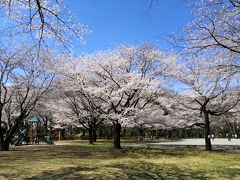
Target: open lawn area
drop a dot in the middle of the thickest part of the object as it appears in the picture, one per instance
(78, 160)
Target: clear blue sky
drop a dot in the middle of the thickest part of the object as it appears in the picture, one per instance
(128, 21)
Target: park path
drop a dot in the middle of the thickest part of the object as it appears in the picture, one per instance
(221, 144)
(200, 141)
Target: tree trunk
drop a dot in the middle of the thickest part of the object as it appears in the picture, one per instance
(100, 132)
(90, 133)
(7, 141)
(9, 135)
(94, 135)
(208, 145)
(5, 146)
(124, 132)
(83, 132)
(1, 136)
(109, 132)
(45, 122)
(117, 132)
(141, 133)
(90, 138)
(1, 130)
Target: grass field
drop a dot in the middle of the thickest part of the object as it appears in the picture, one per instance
(78, 160)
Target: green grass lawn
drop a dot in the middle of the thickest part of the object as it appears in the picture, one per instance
(78, 160)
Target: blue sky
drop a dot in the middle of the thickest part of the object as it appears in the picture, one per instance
(128, 21)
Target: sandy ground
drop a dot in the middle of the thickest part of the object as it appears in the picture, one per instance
(222, 144)
(200, 141)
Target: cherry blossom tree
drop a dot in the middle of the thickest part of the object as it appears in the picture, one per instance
(209, 92)
(216, 25)
(156, 114)
(74, 105)
(43, 111)
(215, 30)
(211, 46)
(113, 85)
(124, 80)
(85, 109)
(40, 22)
(23, 82)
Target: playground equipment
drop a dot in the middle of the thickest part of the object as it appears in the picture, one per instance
(32, 133)
(40, 138)
(21, 138)
(45, 139)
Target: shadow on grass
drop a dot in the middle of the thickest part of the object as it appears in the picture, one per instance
(140, 170)
(44, 153)
(52, 152)
(139, 152)
(133, 168)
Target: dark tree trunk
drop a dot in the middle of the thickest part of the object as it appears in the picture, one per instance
(1, 136)
(159, 133)
(109, 132)
(8, 138)
(169, 136)
(1, 130)
(208, 145)
(124, 132)
(90, 132)
(45, 122)
(117, 133)
(5, 146)
(141, 133)
(100, 132)
(83, 133)
(94, 135)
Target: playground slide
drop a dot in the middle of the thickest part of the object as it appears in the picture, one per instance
(21, 138)
(19, 141)
(46, 140)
